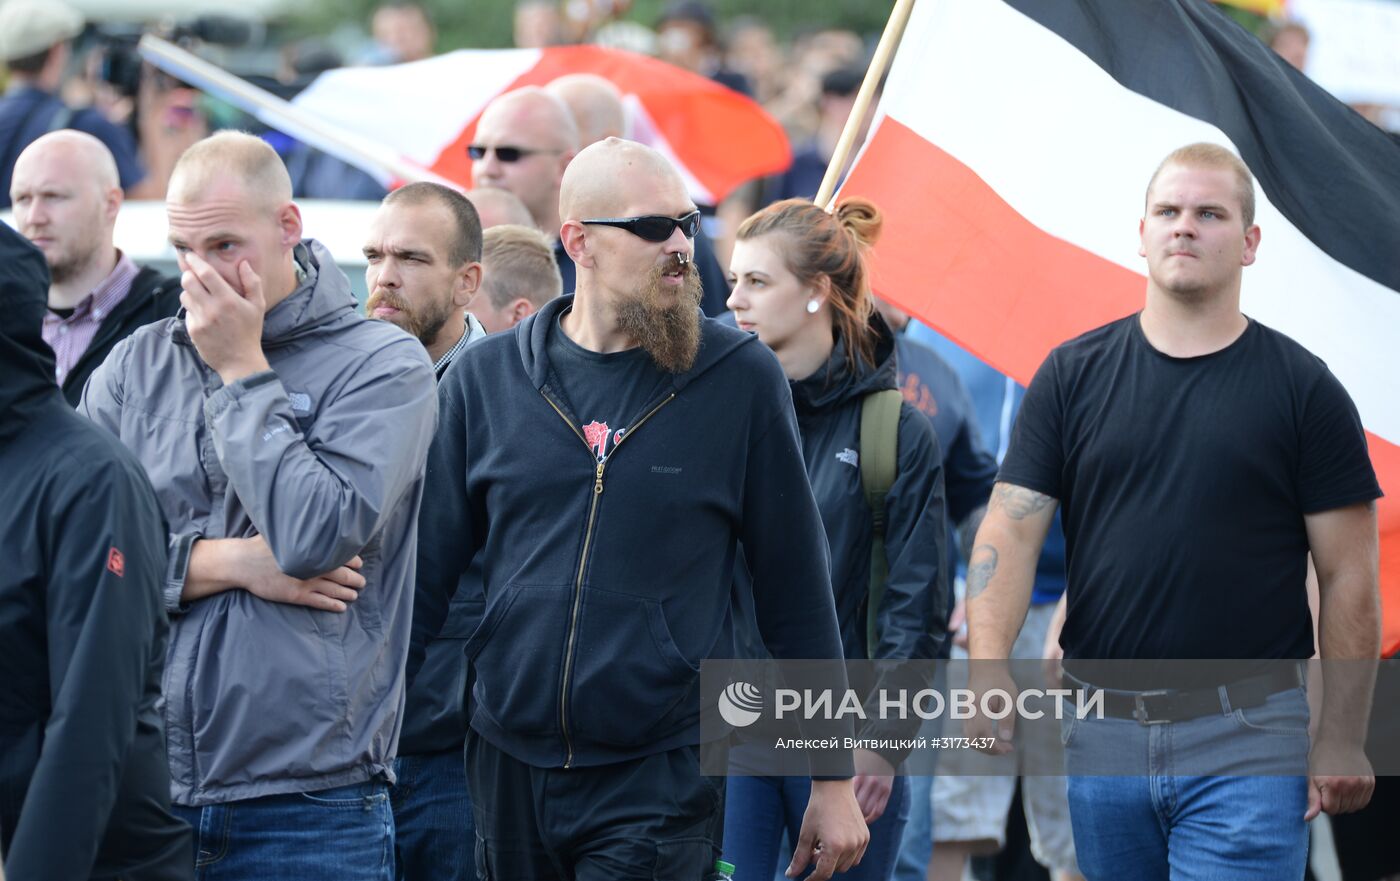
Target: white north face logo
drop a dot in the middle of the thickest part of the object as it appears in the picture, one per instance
(300, 401)
(850, 457)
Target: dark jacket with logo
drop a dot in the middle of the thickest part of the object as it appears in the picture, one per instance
(912, 617)
(152, 297)
(84, 786)
(606, 584)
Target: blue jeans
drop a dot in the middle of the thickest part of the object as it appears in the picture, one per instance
(434, 833)
(340, 834)
(916, 848)
(1162, 825)
(758, 809)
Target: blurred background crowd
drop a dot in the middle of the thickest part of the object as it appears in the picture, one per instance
(802, 61)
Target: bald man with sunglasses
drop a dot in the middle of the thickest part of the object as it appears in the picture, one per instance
(524, 141)
(607, 456)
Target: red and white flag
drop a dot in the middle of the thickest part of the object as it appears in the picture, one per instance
(426, 111)
(1011, 152)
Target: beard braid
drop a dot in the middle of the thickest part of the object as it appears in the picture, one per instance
(665, 324)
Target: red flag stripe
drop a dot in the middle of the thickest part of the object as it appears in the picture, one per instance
(720, 135)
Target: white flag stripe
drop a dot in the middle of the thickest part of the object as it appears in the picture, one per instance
(416, 109)
(1071, 150)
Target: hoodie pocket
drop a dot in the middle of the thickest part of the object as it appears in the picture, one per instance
(517, 656)
(630, 682)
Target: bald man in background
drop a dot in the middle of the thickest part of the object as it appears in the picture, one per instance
(598, 110)
(594, 102)
(66, 197)
(524, 141)
(497, 207)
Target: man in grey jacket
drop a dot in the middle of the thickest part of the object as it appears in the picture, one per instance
(286, 438)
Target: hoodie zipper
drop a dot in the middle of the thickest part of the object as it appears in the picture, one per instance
(583, 562)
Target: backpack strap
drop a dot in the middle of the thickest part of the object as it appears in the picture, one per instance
(879, 464)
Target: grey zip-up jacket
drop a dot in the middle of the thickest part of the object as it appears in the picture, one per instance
(323, 456)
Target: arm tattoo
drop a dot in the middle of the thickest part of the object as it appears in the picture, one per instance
(1017, 501)
(980, 569)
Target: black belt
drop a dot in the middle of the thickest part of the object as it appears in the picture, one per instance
(1180, 705)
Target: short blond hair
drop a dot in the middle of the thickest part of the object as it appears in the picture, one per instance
(231, 154)
(1213, 156)
(518, 261)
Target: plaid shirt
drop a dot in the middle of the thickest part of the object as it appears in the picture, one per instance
(472, 332)
(70, 337)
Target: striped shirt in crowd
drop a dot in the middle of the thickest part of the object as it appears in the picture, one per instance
(69, 337)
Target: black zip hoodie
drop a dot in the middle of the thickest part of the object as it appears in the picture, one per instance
(608, 583)
(84, 786)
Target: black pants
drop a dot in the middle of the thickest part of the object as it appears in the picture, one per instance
(656, 817)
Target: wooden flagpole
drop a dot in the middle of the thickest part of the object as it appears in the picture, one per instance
(884, 51)
(281, 114)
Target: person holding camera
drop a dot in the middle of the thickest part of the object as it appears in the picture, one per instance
(35, 47)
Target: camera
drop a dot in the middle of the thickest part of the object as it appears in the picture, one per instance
(120, 62)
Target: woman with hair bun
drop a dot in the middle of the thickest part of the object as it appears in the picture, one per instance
(800, 283)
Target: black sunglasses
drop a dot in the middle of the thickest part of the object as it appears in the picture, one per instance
(654, 227)
(505, 154)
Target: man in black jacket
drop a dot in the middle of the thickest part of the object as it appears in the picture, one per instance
(66, 197)
(607, 457)
(84, 788)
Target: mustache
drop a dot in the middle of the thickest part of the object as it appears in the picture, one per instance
(386, 298)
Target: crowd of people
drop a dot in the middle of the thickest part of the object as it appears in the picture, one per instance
(421, 590)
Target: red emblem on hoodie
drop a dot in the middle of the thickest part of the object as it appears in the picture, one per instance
(596, 434)
(116, 563)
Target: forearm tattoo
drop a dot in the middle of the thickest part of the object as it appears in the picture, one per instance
(980, 569)
(1017, 501)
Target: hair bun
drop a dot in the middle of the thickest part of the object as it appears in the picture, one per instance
(861, 219)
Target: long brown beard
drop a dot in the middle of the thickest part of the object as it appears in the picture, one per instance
(665, 324)
(424, 325)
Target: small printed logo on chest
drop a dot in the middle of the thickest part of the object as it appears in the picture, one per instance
(301, 401)
(849, 456)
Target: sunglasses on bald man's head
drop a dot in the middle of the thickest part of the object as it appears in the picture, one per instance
(654, 227)
(504, 154)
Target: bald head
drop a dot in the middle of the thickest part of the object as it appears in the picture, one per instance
(532, 110)
(66, 196)
(498, 207)
(86, 158)
(595, 103)
(226, 157)
(606, 177)
(538, 136)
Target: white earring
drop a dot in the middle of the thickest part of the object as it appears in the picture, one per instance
(812, 307)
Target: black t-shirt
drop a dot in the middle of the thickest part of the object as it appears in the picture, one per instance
(606, 393)
(1183, 483)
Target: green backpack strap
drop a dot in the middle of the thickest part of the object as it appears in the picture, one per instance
(879, 463)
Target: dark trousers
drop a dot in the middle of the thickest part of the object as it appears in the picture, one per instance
(656, 817)
(433, 832)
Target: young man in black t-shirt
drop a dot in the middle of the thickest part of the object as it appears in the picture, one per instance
(1199, 457)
